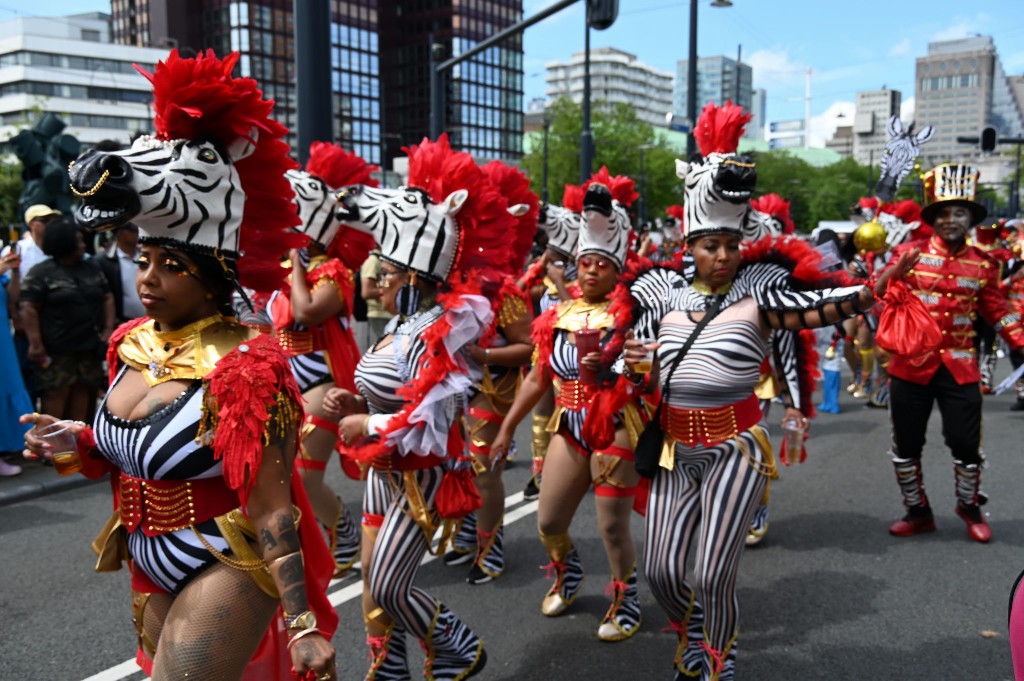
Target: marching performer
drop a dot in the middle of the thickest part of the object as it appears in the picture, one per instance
(199, 427)
(572, 464)
(716, 455)
(956, 282)
(406, 420)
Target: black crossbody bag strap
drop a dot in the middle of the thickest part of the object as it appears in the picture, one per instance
(709, 314)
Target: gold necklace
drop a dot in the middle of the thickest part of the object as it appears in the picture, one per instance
(705, 290)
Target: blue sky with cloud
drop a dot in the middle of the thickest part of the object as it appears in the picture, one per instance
(848, 46)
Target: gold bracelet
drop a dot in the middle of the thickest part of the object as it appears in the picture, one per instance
(304, 632)
(366, 426)
(304, 620)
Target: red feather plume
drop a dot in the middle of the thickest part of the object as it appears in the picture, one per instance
(572, 198)
(484, 221)
(198, 98)
(515, 187)
(678, 212)
(908, 210)
(719, 128)
(620, 186)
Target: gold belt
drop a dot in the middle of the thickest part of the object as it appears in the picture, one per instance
(295, 342)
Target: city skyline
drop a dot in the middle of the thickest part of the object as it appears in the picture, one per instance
(874, 48)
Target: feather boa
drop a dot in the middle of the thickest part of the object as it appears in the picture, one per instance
(808, 370)
(442, 372)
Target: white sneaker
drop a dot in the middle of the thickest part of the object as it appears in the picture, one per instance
(8, 470)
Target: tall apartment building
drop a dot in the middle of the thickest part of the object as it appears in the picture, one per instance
(842, 141)
(756, 126)
(615, 77)
(379, 64)
(961, 88)
(66, 66)
(874, 108)
(719, 79)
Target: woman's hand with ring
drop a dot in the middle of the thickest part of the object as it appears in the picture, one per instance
(353, 427)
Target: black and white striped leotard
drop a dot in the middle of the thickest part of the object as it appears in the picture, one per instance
(311, 369)
(565, 366)
(163, 446)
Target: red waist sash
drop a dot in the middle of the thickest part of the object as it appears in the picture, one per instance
(162, 506)
(709, 427)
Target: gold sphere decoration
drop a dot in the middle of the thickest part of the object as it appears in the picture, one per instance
(870, 237)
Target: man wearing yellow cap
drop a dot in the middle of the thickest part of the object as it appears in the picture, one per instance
(956, 282)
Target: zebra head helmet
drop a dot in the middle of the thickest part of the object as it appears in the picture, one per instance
(899, 219)
(718, 186)
(412, 231)
(328, 168)
(901, 150)
(210, 180)
(606, 227)
(768, 216)
(562, 226)
(177, 191)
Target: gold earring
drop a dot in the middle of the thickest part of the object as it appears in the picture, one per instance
(209, 296)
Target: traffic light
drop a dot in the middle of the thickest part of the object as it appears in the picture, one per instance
(988, 139)
(602, 13)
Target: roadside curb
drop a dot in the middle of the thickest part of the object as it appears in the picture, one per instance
(32, 490)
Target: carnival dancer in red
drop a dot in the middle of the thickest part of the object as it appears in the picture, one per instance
(1014, 284)
(311, 321)
(406, 421)
(573, 464)
(716, 457)
(199, 427)
(955, 282)
(501, 354)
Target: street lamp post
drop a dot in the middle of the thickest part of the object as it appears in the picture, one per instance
(586, 138)
(544, 176)
(641, 208)
(691, 75)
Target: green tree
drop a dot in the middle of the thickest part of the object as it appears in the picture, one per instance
(621, 142)
(11, 185)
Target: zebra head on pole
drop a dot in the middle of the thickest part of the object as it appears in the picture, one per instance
(900, 151)
(209, 181)
(718, 186)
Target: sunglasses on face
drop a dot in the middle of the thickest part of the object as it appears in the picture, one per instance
(600, 263)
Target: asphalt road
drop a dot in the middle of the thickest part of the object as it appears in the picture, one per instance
(828, 595)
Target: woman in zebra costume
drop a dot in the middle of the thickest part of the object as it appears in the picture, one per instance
(573, 462)
(501, 354)
(311, 322)
(717, 457)
(435, 236)
(199, 427)
(549, 281)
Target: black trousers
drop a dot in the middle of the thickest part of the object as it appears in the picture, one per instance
(910, 405)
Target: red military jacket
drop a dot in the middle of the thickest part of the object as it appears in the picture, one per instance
(955, 287)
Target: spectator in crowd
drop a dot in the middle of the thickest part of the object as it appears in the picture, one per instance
(30, 246)
(14, 399)
(376, 317)
(68, 313)
(118, 264)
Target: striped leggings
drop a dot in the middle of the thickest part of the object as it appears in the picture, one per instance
(713, 491)
(399, 548)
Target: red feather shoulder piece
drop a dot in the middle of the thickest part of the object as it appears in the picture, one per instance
(251, 397)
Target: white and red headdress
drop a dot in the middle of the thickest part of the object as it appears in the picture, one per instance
(606, 228)
(718, 187)
(329, 168)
